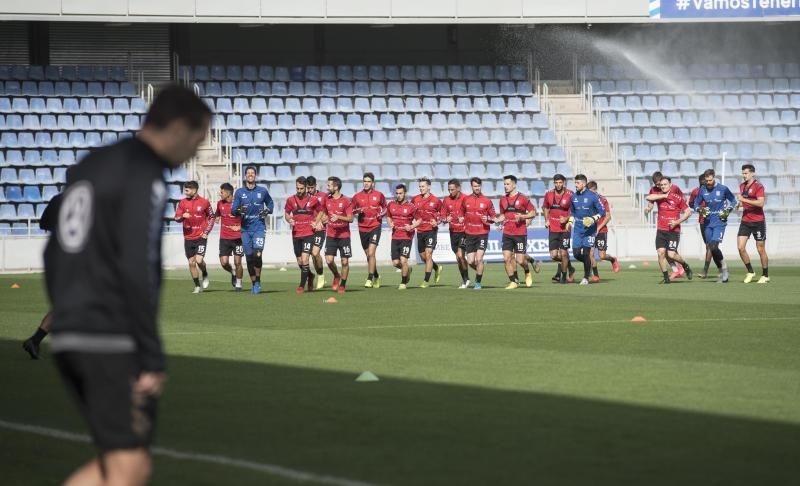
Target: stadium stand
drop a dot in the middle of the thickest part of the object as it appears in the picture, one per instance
(684, 125)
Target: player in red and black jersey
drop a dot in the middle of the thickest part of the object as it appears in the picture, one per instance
(478, 216)
(702, 221)
(672, 211)
(339, 214)
(452, 207)
(198, 219)
(369, 206)
(677, 270)
(230, 236)
(601, 240)
(300, 212)
(319, 233)
(516, 211)
(429, 208)
(751, 199)
(556, 207)
(401, 214)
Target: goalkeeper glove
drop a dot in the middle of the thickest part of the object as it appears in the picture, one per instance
(590, 220)
(723, 215)
(264, 212)
(704, 211)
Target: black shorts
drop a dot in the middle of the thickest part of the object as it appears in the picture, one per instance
(231, 247)
(601, 241)
(102, 386)
(401, 248)
(195, 247)
(370, 237)
(559, 240)
(703, 232)
(758, 230)
(668, 240)
(340, 246)
(303, 244)
(319, 238)
(473, 243)
(515, 243)
(426, 239)
(457, 241)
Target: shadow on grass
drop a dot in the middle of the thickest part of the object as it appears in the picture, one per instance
(408, 432)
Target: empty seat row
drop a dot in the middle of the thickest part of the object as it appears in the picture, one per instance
(321, 121)
(68, 73)
(764, 85)
(68, 122)
(364, 138)
(65, 88)
(41, 175)
(35, 157)
(72, 105)
(60, 139)
(368, 105)
(500, 72)
(702, 118)
(693, 168)
(702, 135)
(29, 194)
(698, 70)
(25, 211)
(364, 88)
(408, 155)
(710, 151)
(698, 102)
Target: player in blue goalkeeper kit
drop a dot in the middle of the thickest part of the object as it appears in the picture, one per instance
(253, 203)
(719, 204)
(586, 209)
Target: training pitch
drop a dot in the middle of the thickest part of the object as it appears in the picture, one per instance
(548, 385)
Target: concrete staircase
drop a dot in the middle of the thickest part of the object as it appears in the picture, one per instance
(211, 172)
(575, 128)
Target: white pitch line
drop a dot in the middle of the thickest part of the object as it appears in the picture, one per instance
(272, 469)
(475, 324)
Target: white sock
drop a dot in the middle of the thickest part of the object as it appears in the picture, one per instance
(238, 282)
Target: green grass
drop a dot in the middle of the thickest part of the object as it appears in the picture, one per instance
(548, 385)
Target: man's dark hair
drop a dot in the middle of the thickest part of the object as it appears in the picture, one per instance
(581, 177)
(559, 177)
(336, 182)
(666, 178)
(709, 172)
(301, 180)
(176, 102)
(225, 186)
(476, 180)
(454, 182)
(424, 179)
(701, 178)
(250, 167)
(401, 186)
(591, 185)
(510, 178)
(311, 181)
(657, 175)
(191, 185)
(369, 175)
(749, 167)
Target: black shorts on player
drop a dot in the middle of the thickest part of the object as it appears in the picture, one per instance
(195, 247)
(102, 386)
(457, 241)
(756, 229)
(338, 245)
(668, 240)
(515, 243)
(473, 243)
(370, 237)
(302, 245)
(426, 239)
(601, 241)
(401, 248)
(231, 247)
(319, 238)
(559, 240)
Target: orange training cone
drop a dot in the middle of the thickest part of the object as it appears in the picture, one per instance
(639, 319)
(331, 300)
(15, 286)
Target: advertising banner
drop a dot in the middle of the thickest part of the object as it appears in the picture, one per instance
(690, 9)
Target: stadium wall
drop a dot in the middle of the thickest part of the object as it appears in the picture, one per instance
(22, 254)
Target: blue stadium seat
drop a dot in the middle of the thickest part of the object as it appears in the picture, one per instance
(30, 194)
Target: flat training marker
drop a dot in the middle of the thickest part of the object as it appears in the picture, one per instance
(283, 269)
(15, 285)
(367, 376)
(631, 266)
(638, 319)
(330, 300)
